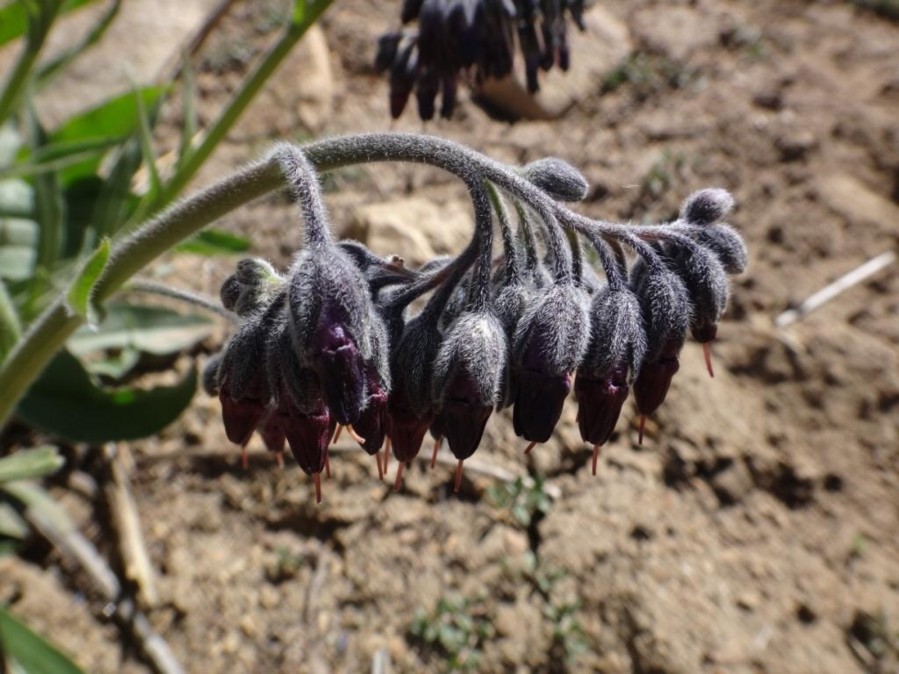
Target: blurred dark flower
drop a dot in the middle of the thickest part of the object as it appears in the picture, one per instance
(471, 40)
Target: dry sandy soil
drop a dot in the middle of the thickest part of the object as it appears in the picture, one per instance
(757, 528)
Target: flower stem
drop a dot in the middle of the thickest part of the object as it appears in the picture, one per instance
(48, 333)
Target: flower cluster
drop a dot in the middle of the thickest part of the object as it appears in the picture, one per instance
(474, 39)
(332, 342)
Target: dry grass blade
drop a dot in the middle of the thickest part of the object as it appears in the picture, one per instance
(126, 521)
(51, 521)
(831, 290)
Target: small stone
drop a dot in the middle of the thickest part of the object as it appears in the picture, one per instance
(417, 228)
(748, 601)
(269, 597)
(732, 484)
(796, 144)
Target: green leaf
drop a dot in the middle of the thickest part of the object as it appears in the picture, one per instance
(146, 121)
(72, 159)
(14, 18)
(188, 110)
(11, 523)
(115, 201)
(299, 11)
(66, 402)
(212, 242)
(18, 248)
(30, 463)
(115, 367)
(60, 62)
(32, 652)
(49, 204)
(115, 118)
(83, 285)
(150, 329)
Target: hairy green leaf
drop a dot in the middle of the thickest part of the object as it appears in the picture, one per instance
(66, 402)
(150, 329)
(83, 285)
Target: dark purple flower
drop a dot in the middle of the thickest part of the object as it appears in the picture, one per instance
(651, 385)
(599, 405)
(242, 414)
(539, 399)
(468, 375)
(407, 428)
(340, 369)
(549, 343)
(331, 320)
(372, 422)
(617, 344)
(242, 383)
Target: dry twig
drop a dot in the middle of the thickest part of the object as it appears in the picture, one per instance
(831, 290)
(126, 522)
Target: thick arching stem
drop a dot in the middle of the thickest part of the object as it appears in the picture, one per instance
(302, 181)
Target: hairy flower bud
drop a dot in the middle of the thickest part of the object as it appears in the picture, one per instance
(724, 241)
(548, 347)
(665, 306)
(559, 179)
(617, 345)
(251, 287)
(411, 404)
(468, 374)
(372, 424)
(300, 411)
(707, 207)
(243, 387)
(330, 323)
(230, 292)
(210, 375)
(706, 283)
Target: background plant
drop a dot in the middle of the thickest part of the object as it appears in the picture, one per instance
(66, 193)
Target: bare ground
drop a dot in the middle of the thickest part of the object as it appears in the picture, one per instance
(757, 529)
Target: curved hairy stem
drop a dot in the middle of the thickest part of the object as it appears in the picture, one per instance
(46, 335)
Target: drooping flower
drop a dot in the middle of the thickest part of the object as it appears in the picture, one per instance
(549, 344)
(614, 356)
(467, 378)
